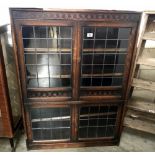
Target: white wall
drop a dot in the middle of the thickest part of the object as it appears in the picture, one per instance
(132, 5)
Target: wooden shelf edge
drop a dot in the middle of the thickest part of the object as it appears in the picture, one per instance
(135, 114)
(147, 85)
(149, 36)
(149, 12)
(139, 125)
(142, 106)
(147, 62)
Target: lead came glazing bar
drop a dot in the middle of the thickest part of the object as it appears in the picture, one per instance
(53, 43)
(97, 121)
(106, 42)
(50, 123)
(50, 119)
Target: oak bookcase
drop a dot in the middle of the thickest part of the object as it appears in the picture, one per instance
(75, 69)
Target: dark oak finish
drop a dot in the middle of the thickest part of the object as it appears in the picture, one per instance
(98, 47)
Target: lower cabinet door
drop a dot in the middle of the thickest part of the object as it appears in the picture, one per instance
(60, 122)
(52, 123)
(97, 121)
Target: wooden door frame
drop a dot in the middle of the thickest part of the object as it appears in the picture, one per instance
(20, 56)
(131, 39)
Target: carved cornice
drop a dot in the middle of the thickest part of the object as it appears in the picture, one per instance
(17, 14)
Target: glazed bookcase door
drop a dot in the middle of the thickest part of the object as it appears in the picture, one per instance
(104, 51)
(98, 121)
(50, 123)
(47, 60)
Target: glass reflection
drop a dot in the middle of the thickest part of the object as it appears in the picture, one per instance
(53, 43)
(42, 58)
(54, 59)
(42, 71)
(54, 70)
(52, 32)
(43, 82)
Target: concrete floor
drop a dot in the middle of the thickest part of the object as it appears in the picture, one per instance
(130, 141)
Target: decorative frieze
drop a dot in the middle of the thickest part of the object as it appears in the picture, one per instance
(115, 16)
(36, 94)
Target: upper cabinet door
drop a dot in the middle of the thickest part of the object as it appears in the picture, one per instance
(104, 52)
(47, 60)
